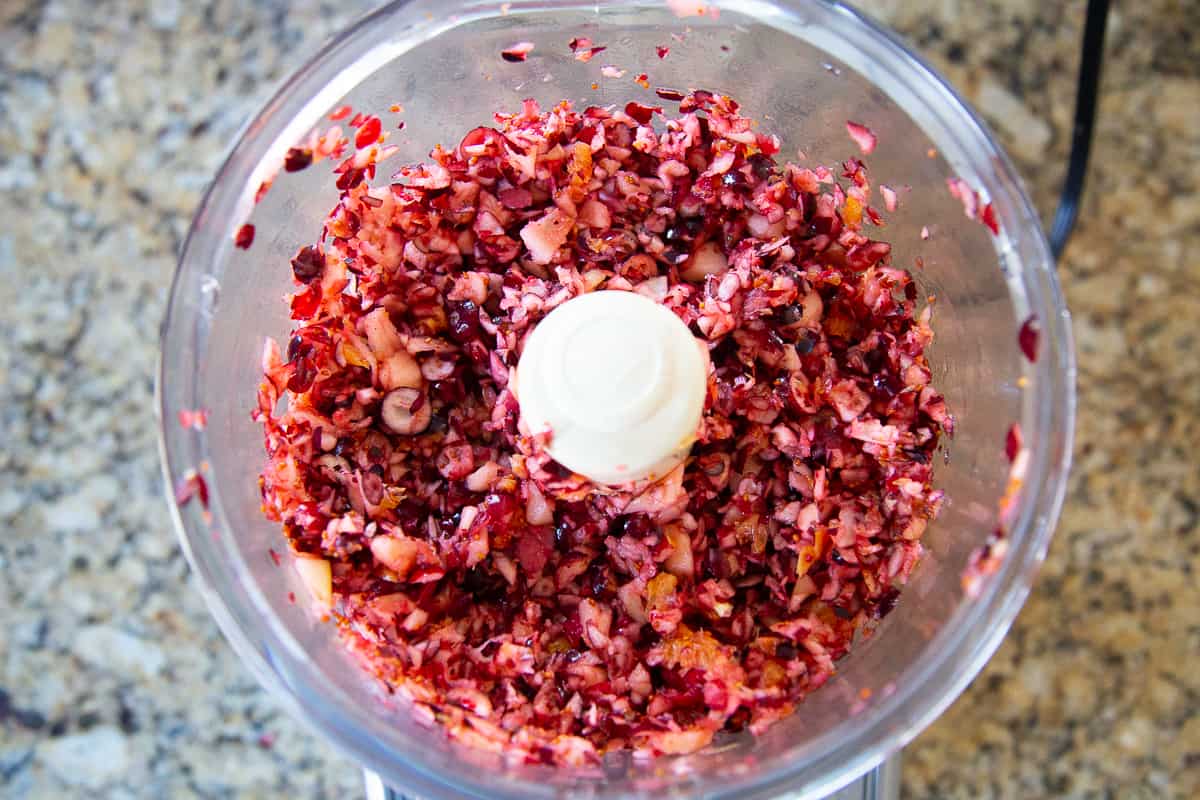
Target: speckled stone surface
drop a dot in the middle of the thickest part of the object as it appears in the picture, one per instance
(115, 683)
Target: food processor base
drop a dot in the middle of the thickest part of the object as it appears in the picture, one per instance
(881, 783)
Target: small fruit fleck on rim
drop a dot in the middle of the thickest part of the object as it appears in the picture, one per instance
(244, 236)
(1013, 442)
(1028, 336)
(297, 158)
(517, 53)
(863, 136)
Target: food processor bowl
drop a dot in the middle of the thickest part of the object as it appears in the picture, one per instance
(800, 67)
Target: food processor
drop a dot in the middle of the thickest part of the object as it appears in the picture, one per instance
(800, 67)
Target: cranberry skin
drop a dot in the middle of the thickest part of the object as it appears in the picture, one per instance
(463, 318)
(308, 264)
(1027, 338)
(761, 166)
(641, 113)
(244, 237)
(303, 376)
(306, 303)
(297, 158)
(350, 178)
(368, 134)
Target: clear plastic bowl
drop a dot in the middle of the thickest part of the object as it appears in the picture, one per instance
(801, 67)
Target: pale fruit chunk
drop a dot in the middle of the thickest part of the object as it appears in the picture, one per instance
(544, 236)
(397, 553)
(397, 411)
(680, 562)
(399, 371)
(317, 577)
(707, 260)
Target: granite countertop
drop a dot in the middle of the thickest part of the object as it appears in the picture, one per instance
(114, 681)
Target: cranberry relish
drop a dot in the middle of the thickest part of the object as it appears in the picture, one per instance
(520, 606)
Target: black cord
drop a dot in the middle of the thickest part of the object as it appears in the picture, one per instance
(1085, 119)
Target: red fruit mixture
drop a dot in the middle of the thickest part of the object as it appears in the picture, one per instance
(523, 608)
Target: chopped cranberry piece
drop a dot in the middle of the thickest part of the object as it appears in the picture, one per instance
(244, 237)
(641, 113)
(1027, 338)
(517, 53)
(464, 321)
(988, 218)
(863, 137)
(368, 133)
(1012, 442)
(350, 179)
(297, 158)
(308, 264)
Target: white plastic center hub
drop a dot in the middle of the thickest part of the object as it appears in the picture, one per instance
(619, 382)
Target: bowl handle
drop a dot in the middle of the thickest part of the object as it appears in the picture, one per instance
(881, 783)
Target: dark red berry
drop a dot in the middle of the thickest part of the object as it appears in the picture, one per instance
(308, 264)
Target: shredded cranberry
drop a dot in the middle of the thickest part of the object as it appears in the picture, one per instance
(988, 218)
(640, 112)
(863, 137)
(1027, 338)
(662, 50)
(244, 236)
(965, 195)
(518, 52)
(522, 607)
(350, 178)
(297, 158)
(308, 264)
(673, 95)
(194, 418)
(584, 49)
(890, 199)
(1013, 442)
(368, 132)
(192, 486)
(341, 113)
